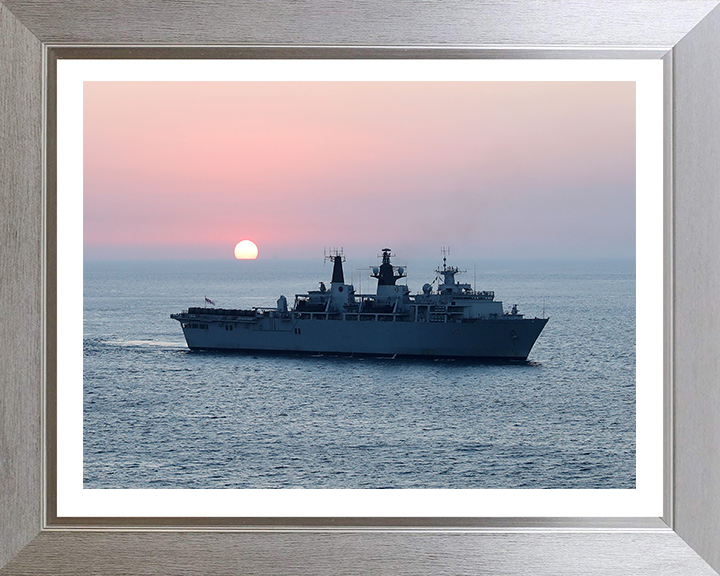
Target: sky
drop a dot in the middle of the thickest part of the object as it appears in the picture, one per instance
(186, 170)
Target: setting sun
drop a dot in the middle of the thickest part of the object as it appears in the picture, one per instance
(246, 250)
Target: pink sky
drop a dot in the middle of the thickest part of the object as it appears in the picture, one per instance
(493, 169)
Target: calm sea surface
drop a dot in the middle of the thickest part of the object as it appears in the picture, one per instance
(157, 415)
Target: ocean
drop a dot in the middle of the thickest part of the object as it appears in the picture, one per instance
(157, 415)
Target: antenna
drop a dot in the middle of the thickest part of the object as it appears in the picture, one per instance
(474, 279)
(445, 253)
(330, 253)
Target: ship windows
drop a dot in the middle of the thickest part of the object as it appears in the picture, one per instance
(297, 330)
(228, 327)
(194, 326)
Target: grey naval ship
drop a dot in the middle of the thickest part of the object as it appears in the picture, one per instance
(451, 321)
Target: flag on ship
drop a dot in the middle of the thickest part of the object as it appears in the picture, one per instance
(209, 301)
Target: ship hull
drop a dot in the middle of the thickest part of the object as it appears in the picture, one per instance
(501, 338)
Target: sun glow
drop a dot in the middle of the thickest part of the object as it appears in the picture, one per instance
(246, 250)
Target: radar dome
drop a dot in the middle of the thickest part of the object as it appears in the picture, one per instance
(376, 270)
(401, 270)
(426, 288)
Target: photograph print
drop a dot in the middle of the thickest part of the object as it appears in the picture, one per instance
(371, 284)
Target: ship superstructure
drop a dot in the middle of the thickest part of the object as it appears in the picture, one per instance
(453, 320)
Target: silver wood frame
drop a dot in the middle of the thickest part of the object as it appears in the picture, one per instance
(684, 33)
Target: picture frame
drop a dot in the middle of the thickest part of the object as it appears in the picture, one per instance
(684, 34)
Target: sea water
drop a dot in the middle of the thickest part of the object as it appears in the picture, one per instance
(157, 415)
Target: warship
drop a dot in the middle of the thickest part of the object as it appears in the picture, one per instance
(451, 320)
